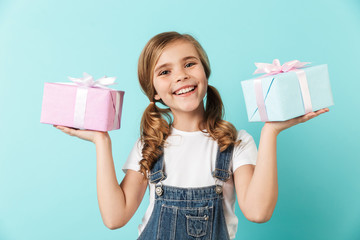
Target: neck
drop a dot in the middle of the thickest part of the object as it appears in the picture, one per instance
(189, 121)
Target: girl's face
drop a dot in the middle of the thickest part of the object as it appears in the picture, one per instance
(179, 78)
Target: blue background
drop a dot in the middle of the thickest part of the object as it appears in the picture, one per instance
(48, 179)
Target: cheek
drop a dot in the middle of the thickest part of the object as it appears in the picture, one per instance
(160, 87)
(205, 90)
(156, 84)
(205, 87)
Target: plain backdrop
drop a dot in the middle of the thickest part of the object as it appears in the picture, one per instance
(48, 179)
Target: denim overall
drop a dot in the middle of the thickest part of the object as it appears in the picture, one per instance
(188, 213)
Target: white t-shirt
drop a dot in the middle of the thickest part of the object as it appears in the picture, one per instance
(198, 150)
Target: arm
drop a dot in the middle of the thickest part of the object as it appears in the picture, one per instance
(257, 187)
(117, 203)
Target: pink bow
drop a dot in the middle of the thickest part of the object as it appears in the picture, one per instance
(275, 67)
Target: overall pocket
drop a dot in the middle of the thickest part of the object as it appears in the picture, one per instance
(197, 226)
(198, 221)
(184, 222)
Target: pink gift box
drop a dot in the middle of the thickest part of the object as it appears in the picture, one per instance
(101, 111)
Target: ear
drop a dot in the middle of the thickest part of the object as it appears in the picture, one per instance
(157, 97)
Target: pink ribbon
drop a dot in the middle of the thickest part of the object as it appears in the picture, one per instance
(276, 68)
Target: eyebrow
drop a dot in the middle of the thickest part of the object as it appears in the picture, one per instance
(167, 64)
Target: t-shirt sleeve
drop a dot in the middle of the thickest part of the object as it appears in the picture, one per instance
(245, 152)
(134, 158)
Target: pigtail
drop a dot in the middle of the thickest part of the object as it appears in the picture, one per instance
(223, 131)
(154, 130)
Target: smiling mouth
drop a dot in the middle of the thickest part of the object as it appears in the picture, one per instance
(185, 90)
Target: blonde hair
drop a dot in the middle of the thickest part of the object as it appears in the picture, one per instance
(156, 122)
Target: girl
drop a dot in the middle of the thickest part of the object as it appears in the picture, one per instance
(193, 161)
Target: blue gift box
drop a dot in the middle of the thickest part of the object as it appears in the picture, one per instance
(283, 97)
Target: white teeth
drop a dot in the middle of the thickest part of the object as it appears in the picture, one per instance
(185, 90)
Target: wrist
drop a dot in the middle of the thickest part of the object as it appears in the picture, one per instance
(100, 137)
(270, 129)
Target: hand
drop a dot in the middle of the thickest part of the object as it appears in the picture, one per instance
(88, 135)
(280, 126)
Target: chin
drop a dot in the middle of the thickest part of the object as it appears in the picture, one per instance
(190, 107)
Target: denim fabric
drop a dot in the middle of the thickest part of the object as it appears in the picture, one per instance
(188, 213)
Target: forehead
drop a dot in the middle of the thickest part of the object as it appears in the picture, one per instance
(177, 51)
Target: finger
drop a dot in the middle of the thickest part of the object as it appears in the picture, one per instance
(321, 111)
(307, 117)
(324, 110)
(69, 131)
(315, 114)
(310, 116)
(63, 127)
(60, 128)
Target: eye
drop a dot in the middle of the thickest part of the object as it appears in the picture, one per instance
(164, 72)
(189, 64)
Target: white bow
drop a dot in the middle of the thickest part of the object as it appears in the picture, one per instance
(88, 81)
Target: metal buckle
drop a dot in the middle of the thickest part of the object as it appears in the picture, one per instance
(218, 189)
(218, 186)
(159, 190)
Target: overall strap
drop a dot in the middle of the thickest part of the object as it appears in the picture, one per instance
(157, 172)
(222, 166)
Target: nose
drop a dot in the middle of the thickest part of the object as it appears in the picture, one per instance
(181, 75)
